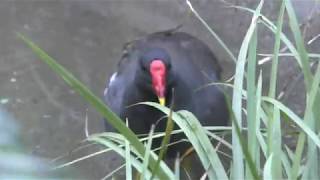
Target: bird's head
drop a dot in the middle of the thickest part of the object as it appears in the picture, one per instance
(156, 72)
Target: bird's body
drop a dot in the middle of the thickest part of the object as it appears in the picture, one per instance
(190, 66)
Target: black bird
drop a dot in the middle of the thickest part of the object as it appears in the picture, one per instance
(154, 65)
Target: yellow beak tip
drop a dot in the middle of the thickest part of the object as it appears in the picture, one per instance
(162, 101)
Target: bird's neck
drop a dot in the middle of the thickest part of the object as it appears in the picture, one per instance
(136, 94)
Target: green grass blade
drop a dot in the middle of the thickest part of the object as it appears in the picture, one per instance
(196, 134)
(275, 142)
(296, 119)
(238, 166)
(315, 88)
(244, 148)
(128, 160)
(165, 141)
(290, 153)
(286, 165)
(110, 175)
(258, 121)
(312, 154)
(98, 104)
(82, 158)
(122, 152)
(220, 41)
(267, 172)
(296, 166)
(177, 168)
(315, 56)
(302, 52)
(251, 100)
(205, 143)
(274, 125)
(219, 139)
(275, 61)
(262, 143)
(148, 153)
(273, 28)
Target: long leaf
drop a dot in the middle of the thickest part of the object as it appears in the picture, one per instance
(198, 138)
(296, 119)
(128, 161)
(293, 22)
(206, 25)
(165, 140)
(251, 100)
(238, 166)
(148, 153)
(122, 152)
(104, 110)
(267, 172)
(243, 147)
(268, 23)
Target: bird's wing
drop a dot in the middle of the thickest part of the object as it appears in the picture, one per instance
(120, 80)
(113, 93)
(113, 97)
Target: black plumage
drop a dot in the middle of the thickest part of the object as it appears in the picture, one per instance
(190, 65)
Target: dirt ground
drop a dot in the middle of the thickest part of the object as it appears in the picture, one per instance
(87, 37)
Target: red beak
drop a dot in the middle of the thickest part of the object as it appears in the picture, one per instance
(158, 75)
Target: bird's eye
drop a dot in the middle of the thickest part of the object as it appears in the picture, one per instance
(144, 68)
(168, 66)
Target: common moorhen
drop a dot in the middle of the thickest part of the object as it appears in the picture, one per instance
(151, 67)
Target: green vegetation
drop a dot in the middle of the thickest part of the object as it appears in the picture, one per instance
(262, 154)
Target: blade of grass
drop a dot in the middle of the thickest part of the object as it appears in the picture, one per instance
(267, 172)
(112, 118)
(219, 139)
(289, 152)
(310, 55)
(128, 161)
(296, 119)
(273, 28)
(251, 100)
(177, 167)
(244, 148)
(275, 144)
(259, 135)
(275, 61)
(198, 138)
(258, 123)
(286, 165)
(298, 57)
(205, 144)
(312, 164)
(298, 155)
(312, 155)
(114, 146)
(148, 153)
(82, 158)
(109, 175)
(237, 97)
(302, 52)
(165, 140)
(274, 125)
(220, 41)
